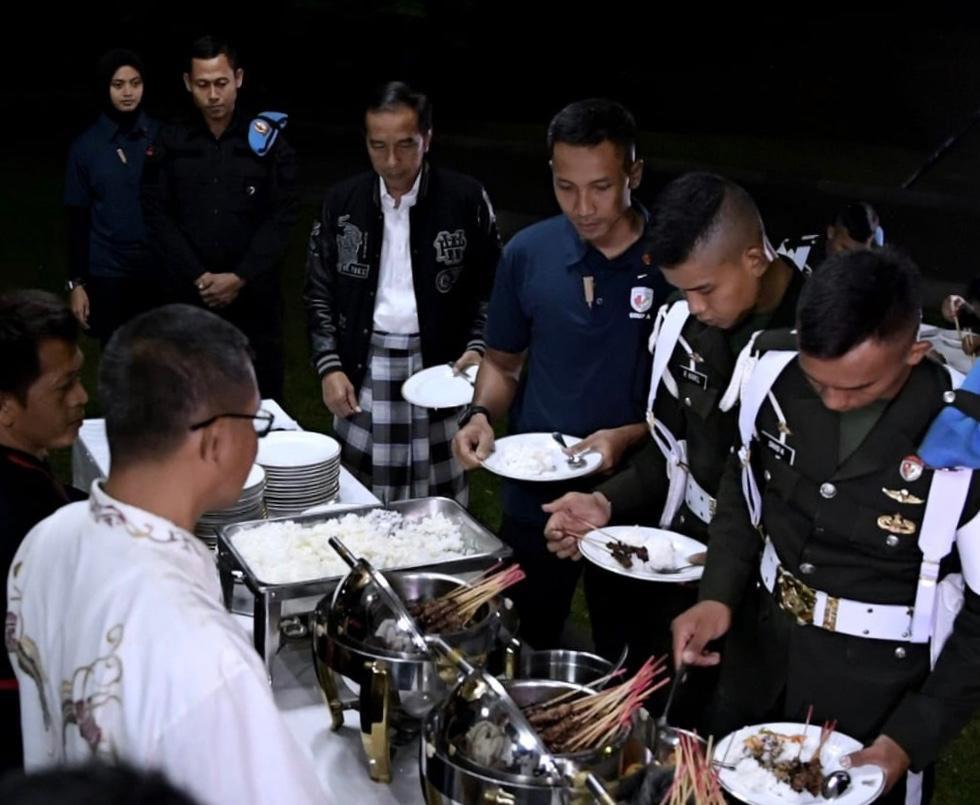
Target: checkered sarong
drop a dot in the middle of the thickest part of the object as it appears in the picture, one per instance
(396, 449)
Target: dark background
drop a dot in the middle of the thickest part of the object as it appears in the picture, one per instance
(806, 105)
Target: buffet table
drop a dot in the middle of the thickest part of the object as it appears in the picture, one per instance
(337, 756)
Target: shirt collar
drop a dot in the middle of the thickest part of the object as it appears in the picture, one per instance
(573, 248)
(151, 529)
(407, 201)
(110, 129)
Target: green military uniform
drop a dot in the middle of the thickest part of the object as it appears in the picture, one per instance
(843, 515)
(638, 613)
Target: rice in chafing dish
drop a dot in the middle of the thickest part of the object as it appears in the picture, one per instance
(281, 553)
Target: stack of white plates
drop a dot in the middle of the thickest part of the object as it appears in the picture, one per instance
(247, 507)
(302, 469)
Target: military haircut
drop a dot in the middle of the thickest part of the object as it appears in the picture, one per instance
(163, 371)
(855, 296)
(594, 121)
(210, 47)
(28, 317)
(696, 208)
(390, 96)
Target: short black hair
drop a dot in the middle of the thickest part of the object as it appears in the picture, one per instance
(594, 121)
(688, 211)
(162, 370)
(92, 784)
(28, 317)
(390, 96)
(858, 295)
(210, 47)
(859, 219)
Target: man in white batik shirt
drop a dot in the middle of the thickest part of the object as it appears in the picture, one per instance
(115, 626)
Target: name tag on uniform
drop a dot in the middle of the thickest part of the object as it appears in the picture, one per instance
(695, 377)
(780, 451)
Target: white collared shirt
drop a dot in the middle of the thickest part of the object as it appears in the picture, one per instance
(395, 310)
(124, 651)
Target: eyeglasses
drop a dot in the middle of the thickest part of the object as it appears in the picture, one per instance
(261, 420)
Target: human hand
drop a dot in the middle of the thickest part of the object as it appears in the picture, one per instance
(573, 515)
(473, 442)
(469, 358)
(694, 629)
(78, 301)
(951, 306)
(884, 753)
(338, 395)
(610, 443)
(219, 290)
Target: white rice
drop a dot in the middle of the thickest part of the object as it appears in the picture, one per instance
(281, 553)
(527, 460)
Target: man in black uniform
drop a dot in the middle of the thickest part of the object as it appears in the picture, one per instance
(709, 239)
(219, 201)
(831, 530)
(42, 403)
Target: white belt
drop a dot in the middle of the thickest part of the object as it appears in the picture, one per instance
(842, 615)
(701, 504)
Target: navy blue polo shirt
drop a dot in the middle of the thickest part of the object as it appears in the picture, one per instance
(103, 176)
(587, 367)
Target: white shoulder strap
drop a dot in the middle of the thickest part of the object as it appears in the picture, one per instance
(744, 365)
(667, 332)
(754, 390)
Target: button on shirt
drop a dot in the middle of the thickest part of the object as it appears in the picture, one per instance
(103, 176)
(395, 310)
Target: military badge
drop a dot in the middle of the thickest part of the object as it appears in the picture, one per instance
(896, 524)
(903, 496)
(911, 468)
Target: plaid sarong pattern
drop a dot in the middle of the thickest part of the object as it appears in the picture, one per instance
(396, 449)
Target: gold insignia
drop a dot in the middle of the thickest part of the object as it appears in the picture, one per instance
(896, 524)
(903, 496)
(784, 428)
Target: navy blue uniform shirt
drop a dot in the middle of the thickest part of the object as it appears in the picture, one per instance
(588, 367)
(103, 176)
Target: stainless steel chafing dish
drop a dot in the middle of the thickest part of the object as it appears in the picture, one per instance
(365, 633)
(477, 747)
(276, 605)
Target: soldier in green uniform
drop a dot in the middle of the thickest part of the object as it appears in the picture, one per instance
(709, 239)
(815, 567)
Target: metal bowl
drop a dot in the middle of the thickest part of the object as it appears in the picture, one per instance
(474, 749)
(357, 635)
(559, 665)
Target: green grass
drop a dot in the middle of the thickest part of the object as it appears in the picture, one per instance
(32, 255)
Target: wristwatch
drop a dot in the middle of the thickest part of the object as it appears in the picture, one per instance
(471, 411)
(71, 285)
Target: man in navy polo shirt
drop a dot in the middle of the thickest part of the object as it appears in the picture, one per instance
(575, 296)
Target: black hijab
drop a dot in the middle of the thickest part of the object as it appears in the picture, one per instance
(108, 64)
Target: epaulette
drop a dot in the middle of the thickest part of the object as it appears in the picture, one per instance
(264, 130)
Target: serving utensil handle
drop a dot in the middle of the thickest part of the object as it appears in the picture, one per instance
(598, 791)
(343, 551)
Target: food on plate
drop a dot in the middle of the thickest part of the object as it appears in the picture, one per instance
(286, 552)
(783, 764)
(524, 459)
(623, 552)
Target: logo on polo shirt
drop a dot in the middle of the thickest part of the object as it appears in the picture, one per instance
(450, 247)
(641, 299)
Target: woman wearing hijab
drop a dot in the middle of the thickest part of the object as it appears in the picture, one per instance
(110, 279)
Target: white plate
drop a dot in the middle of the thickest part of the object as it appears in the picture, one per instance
(545, 446)
(438, 387)
(296, 448)
(866, 781)
(593, 548)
